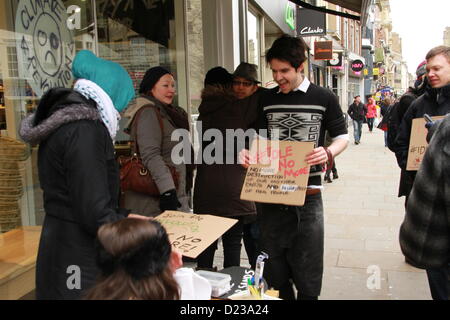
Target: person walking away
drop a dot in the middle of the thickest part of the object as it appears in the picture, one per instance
(78, 173)
(293, 236)
(371, 113)
(156, 122)
(385, 113)
(357, 112)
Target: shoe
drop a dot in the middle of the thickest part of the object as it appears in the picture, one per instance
(328, 179)
(335, 176)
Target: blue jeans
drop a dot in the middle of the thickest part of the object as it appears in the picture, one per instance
(357, 130)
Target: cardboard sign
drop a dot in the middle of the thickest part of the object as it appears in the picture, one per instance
(192, 233)
(418, 143)
(278, 172)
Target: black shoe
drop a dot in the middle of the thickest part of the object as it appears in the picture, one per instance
(335, 175)
(328, 179)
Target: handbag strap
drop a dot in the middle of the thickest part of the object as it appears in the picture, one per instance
(135, 123)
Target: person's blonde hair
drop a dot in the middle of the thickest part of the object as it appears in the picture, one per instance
(444, 50)
(134, 259)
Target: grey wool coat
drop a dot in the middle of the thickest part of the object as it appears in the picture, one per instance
(425, 232)
(155, 150)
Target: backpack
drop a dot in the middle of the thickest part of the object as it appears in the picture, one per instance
(393, 125)
(395, 117)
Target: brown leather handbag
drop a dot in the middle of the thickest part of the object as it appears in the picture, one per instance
(134, 175)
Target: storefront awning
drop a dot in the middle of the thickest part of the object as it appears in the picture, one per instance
(358, 6)
(354, 5)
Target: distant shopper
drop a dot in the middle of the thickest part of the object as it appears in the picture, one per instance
(75, 129)
(357, 112)
(371, 113)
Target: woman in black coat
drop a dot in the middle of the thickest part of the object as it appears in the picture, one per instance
(75, 129)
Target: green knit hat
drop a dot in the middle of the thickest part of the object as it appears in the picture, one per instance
(108, 75)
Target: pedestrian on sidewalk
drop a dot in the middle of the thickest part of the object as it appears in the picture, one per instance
(330, 169)
(357, 112)
(153, 119)
(218, 184)
(75, 129)
(246, 84)
(425, 231)
(397, 113)
(371, 113)
(434, 102)
(293, 236)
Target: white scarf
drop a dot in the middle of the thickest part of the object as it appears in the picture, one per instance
(105, 106)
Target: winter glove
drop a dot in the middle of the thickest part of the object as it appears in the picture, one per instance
(169, 201)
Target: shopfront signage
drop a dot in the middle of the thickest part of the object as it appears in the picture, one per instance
(336, 61)
(45, 46)
(323, 50)
(289, 16)
(310, 23)
(357, 65)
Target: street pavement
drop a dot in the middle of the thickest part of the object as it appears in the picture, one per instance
(363, 214)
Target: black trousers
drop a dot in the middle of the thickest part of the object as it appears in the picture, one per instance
(231, 241)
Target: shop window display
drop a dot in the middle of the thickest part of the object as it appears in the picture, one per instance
(38, 40)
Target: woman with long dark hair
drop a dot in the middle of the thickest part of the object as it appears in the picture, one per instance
(136, 262)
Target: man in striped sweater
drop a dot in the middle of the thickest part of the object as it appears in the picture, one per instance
(297, 110)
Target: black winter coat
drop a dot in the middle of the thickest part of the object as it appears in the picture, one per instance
(434, 102)
(357, 111)
(80, 182)
(218, 186)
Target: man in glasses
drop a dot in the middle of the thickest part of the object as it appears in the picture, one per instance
(245, 80)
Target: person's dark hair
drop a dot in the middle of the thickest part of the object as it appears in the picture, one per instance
(151, 77)
(134, 259)
(358, 96)
(287, 48)
(218, 76)
(444, 50)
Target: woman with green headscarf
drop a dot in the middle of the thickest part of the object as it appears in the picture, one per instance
(75, 130)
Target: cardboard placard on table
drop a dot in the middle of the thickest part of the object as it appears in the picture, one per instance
(192, 233)
(418, 143)
(284, 177)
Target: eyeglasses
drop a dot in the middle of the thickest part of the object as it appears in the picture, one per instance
(243, 83)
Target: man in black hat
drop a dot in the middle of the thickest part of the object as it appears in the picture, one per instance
(245, 80)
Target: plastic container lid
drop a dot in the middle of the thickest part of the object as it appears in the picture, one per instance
(216, 279)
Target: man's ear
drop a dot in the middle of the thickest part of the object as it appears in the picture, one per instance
(300, 68)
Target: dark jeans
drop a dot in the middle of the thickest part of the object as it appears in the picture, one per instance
(293, 237)
(370, 123)
(231, 241)
(439, 282)
(251, 237)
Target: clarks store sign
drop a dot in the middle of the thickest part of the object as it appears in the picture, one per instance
(310, 23)
(45, 45)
